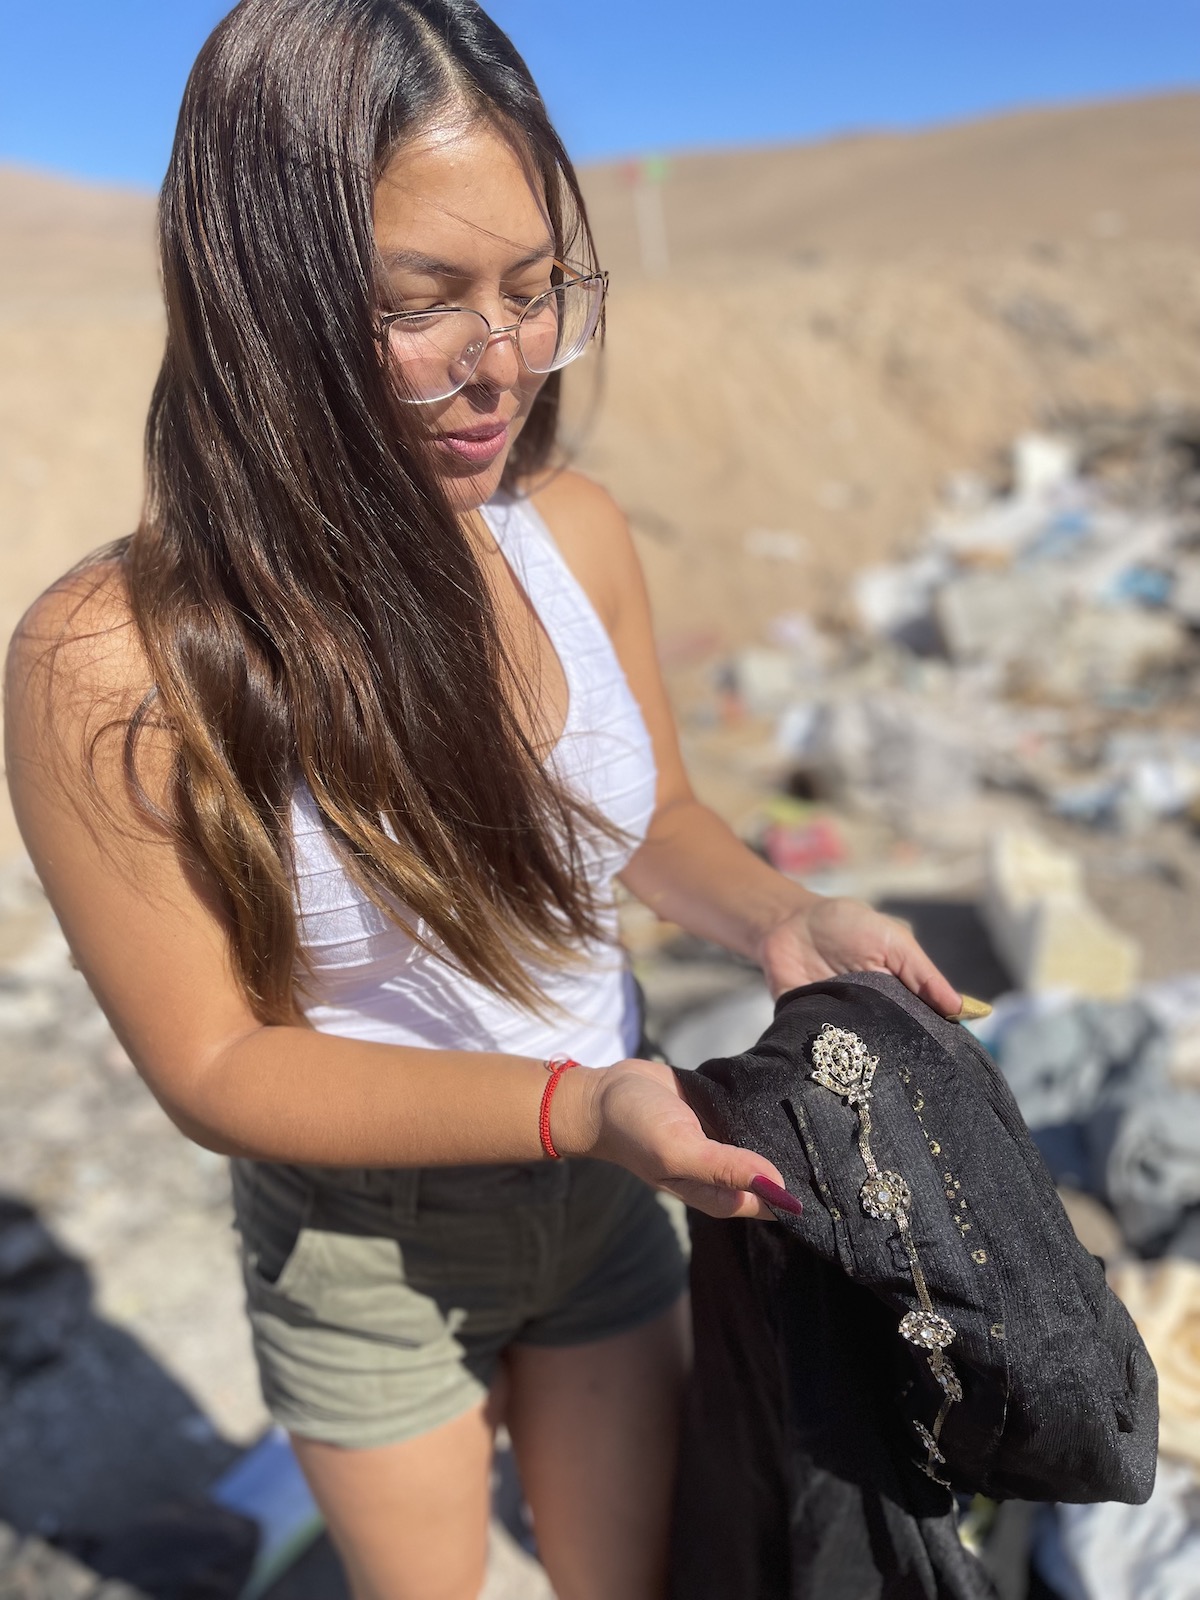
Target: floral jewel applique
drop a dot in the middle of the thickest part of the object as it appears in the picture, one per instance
(843, 1064)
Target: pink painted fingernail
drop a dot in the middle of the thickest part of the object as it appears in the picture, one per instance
(771, 1192)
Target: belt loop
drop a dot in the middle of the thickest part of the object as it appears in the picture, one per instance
(406, 1188)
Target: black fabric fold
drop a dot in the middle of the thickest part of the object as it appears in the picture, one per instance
(802, 1471)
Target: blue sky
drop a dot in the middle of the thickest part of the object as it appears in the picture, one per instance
(91, 87)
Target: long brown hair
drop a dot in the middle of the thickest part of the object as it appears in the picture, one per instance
(310, 604)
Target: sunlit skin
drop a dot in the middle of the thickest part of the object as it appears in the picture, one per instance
(594, 1425)
(462, 200)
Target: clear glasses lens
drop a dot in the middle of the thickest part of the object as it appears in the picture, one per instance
(557, 326)
(436, 353)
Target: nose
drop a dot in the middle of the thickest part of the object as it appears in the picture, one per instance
(500, 366)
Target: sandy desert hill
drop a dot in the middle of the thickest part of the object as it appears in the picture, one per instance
(1121, 168)
(842, 325)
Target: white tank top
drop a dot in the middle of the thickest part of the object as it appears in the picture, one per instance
(371, 981)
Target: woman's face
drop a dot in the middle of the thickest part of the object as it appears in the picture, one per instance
(459, 222)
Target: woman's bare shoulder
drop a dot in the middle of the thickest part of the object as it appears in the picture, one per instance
(80, 633)
(578, 503)
(593, 534)
(76, 654)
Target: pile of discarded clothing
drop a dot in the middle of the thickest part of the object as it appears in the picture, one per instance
(1111, 1092)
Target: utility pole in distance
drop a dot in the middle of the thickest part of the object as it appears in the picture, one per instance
(646, 179)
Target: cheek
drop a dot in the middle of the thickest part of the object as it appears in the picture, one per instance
(529, 387)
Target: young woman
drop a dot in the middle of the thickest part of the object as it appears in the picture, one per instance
(328, 770)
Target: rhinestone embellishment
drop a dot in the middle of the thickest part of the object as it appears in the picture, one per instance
(927, 1329)
(842, 1063)
(930, 1443)
(948, 1379)
(885, 1196)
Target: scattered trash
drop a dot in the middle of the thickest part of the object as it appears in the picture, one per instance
(1043, 925)
(267, 1486)
(892, 753)
(1030, 643)
(724, 1028)
(767, 679)
(996, 616)
(798, 841)
(1117, 1552)
(801, 848)
(1152, 1170)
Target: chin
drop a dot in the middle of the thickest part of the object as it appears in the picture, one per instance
(467, 491)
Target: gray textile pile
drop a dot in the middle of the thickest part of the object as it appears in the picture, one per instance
(1094, 1083)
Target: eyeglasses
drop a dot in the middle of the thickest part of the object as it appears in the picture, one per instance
(437, 352)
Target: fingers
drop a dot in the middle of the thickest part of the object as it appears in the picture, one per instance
(722, 1180)
(917, 972)
(726, 1204)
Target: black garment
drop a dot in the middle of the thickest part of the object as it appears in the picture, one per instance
(811, 1423)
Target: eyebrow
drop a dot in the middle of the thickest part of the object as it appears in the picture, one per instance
(417, 261)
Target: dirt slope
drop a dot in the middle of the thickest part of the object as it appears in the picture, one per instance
(1126, 169)
(843, 325)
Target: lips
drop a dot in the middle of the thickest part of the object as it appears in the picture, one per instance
(477, 445)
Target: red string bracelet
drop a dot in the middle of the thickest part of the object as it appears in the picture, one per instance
(556, 1066)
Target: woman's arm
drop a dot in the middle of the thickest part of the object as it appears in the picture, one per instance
(691, 868)
(149, 936)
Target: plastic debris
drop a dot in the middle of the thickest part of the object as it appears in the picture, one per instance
(267, 1487)
(802, 847)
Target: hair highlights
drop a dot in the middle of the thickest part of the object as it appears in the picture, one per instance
(311, 607)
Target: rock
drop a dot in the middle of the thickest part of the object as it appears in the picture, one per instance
(1044, 927)
(36, 1571)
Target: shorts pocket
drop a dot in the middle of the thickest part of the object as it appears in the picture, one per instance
(275, 1226)
(291, 1276)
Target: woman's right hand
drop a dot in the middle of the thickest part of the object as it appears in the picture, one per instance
(634, 1114)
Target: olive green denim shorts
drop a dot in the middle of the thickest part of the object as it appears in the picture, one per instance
(381, 1301)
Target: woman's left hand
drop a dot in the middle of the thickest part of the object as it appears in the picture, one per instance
(830, 936)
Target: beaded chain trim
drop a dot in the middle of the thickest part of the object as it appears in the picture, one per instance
(843, 1065)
